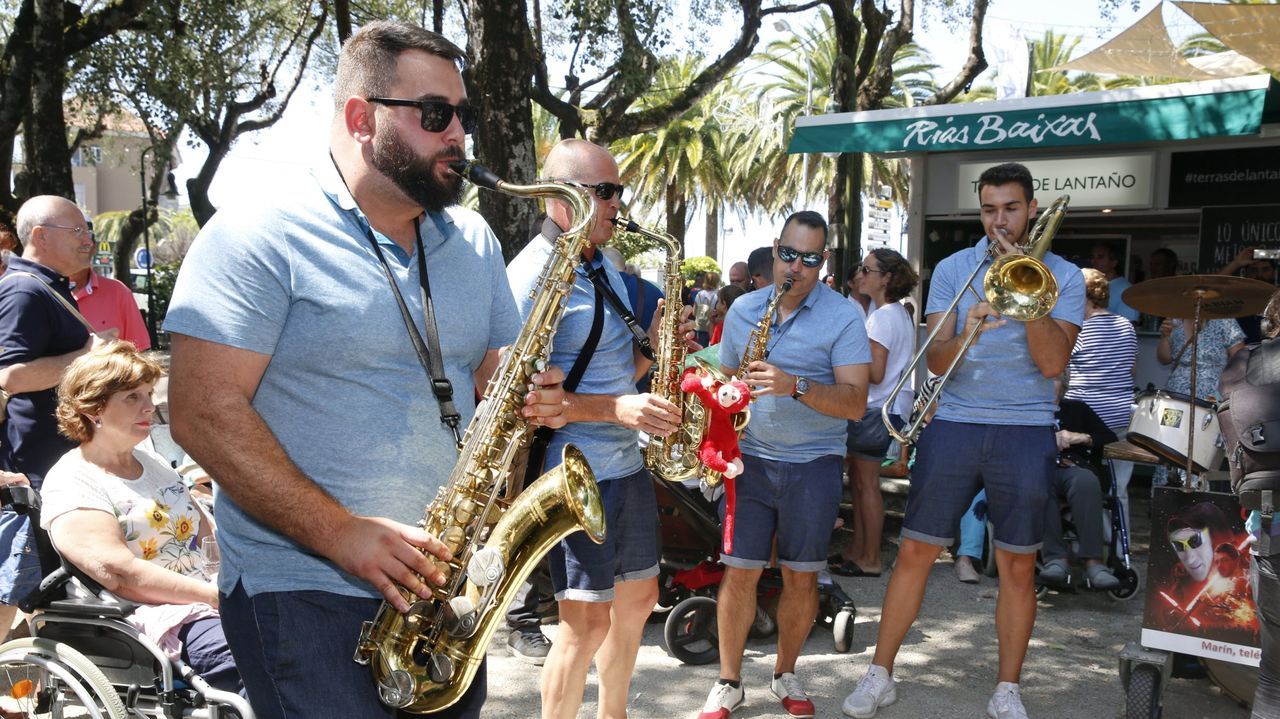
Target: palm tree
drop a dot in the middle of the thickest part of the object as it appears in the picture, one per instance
(801, 83)
(683, 162)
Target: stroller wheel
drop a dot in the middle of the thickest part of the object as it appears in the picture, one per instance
(1128, 588)
(842, 629)
(690, 632)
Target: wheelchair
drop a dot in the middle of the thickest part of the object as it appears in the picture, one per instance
(83, 659)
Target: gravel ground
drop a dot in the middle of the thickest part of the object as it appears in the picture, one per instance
(946, 668)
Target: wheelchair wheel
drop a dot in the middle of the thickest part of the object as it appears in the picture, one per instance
(46, 677)
(1129, 583)
(989, 551)
(764, 626)
(690, 632)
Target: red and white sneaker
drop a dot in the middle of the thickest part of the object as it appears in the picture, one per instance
(788, 691)
(722, 700)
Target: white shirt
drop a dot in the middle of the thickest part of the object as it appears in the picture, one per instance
(891, 327)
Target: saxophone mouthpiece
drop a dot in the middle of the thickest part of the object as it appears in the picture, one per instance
(786, 285)
(625, 224)
(476, 173)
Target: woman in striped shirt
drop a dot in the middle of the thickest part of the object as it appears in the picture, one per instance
(1102, 366)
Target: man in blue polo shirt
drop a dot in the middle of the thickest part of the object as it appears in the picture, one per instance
(39, 337)
(606, 592)
(295, 381)
(993, 429)
(812, 381)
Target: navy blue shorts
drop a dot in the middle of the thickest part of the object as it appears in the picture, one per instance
(584, 571)
(20, 571)
(868, 437)
(955, 459)
(797, 500)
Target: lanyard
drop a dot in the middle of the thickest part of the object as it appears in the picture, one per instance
(596, 275)
(429, 354)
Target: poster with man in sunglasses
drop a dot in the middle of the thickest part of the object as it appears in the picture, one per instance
(1198, 599)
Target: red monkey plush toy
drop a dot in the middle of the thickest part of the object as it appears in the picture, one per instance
(719, 449)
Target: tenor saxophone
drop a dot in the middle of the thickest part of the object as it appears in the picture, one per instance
(424, 660)
(674, 458)
(756, 349)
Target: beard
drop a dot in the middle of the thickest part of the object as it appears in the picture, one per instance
(414, 175)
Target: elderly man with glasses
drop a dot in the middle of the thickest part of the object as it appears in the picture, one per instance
(812, 380)
(40, 336)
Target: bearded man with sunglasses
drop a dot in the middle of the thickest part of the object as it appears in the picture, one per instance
(812, 381)
(994, 430)
(297, 386)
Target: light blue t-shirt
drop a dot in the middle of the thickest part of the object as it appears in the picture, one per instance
(825, 332)
(997, 382)
(1117, 306)
(294, 277)
(613, 451)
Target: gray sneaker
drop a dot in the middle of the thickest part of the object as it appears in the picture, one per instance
(874, 690)
(1056, 571)
(529, 645)
(1100, 577)
(1006, 703)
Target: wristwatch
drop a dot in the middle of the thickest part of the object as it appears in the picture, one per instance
(802, 386)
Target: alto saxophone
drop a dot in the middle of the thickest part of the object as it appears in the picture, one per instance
(424, 660)
(757, 347)
(674, 458)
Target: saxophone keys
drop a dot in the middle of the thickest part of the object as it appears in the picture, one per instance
(464, 510)
(453, 538)
(486, 567)
(460, 617)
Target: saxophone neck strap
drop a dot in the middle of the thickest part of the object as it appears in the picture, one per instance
(429, 354)
(597, 277)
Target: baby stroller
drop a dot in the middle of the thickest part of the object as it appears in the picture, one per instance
(690, 572)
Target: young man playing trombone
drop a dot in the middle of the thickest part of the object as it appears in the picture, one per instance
(993, 428)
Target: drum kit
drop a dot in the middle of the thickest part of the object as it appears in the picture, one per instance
(1167, 423)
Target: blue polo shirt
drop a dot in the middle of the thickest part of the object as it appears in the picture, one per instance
(825, 332)
(34, 324)
(613, 451)
(997, 383)
(294, 277)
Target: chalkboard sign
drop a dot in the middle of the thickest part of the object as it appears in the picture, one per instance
(1225, 231)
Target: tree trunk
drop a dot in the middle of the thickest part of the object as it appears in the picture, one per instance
(677, 206)
(198, 187)
(713, 230)
(15, 97)
(130, 233)
(48, 156)
(502, 57)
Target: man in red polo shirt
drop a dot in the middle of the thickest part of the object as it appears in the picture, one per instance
(109, 304)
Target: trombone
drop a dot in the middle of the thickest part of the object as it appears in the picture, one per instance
(1017, 286)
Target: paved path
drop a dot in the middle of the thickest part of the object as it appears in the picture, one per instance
(947, 666)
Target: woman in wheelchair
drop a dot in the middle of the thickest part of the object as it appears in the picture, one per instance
(125, 518)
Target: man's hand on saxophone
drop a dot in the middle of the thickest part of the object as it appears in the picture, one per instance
(766, 379)
(686, 330)
(544, 404)
(388, 555)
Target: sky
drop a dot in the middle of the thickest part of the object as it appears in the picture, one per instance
(256, 161)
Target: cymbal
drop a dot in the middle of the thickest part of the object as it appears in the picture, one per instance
(1219, 296)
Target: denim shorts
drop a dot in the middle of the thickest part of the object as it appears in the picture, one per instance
(584, 571)
(868, 437)
(955, 459)
(797, 500)
(20, 571)
(293, 650)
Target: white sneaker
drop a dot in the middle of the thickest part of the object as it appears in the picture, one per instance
(1006, 703)
(722, 700)
(875, 689)
(787, 690)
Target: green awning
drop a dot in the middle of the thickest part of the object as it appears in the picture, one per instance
(1185, 111)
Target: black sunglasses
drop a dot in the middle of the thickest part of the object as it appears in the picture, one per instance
(808, 259)
(604, 190)
(864, 270)
(436, 114)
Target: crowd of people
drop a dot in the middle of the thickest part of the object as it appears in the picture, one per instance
(299, 386)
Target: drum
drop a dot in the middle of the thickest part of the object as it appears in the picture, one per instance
(1160, 425)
